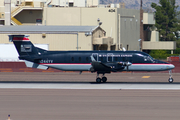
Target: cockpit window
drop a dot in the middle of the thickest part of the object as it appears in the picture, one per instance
(145, 58)
(148, 58)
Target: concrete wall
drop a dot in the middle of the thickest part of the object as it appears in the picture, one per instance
(154, 36)
(1, 3)
(130, 30)
(29, 16)
(129, 27)
(163, 45)
(61, 16)
(7, 12)
(81, 16)
(148, 18)
(92, 2)
(64, 41)
(2, 9)
(89, 16)
(79, 3)
(57, 41)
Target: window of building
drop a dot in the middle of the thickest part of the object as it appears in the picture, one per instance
(71, 4)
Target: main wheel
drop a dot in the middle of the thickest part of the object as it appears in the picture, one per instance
(104, 79)
(170, 80)
(98, 80)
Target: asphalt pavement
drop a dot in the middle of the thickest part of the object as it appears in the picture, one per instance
(70, 96)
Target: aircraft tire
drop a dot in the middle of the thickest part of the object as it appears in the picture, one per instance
(98, 80)
(170, 80)
(104, 79)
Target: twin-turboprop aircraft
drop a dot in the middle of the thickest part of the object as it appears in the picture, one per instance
(94, 61)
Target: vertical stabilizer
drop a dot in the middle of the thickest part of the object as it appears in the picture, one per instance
(23, 45)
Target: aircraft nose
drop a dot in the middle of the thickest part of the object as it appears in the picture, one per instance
(171, 66)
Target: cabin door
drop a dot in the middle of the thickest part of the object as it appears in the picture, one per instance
(110, 57)
(95, 55)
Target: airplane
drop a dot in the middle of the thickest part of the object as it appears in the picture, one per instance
(101, 62)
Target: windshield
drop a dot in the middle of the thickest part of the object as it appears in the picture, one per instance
(150, 58)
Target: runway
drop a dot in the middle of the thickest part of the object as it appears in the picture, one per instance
(70, 96)
(75, 77)
(120, 86)
(65, 104)
(125, 81)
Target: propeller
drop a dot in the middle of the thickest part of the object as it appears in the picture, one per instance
(127, 64)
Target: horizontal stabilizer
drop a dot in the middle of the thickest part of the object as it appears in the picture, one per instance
(35, 65)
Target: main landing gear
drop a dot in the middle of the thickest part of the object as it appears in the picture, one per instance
(170, 77)
(103, 79)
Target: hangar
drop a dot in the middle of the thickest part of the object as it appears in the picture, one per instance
(125, 26)
(61, 37)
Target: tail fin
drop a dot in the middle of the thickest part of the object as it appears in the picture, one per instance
(27, 51)
(23, 45)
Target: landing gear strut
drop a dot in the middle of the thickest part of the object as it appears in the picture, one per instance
(170, 77)
(103, 79)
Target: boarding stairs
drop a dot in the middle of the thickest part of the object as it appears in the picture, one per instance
(20, 8)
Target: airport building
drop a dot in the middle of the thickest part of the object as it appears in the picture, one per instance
(118, 27)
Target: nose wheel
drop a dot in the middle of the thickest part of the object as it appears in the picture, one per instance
(170, 77)
(170, 80)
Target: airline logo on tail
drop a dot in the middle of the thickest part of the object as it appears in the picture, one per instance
(22, 44)
(18, 38)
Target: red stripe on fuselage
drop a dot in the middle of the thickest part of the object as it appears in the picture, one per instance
(66, 63)
(90, 63)
(151, 64)
(20, 38)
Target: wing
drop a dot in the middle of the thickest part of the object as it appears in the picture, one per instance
(107, 67)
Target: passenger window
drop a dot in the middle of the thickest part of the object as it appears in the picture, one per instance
(79, 58)
(116, 58)
(123, 59)
(87, 59)
(72, 59)
(101, 59)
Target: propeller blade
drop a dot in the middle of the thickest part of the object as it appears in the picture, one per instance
(128, 63)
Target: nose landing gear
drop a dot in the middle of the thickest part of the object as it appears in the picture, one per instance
(170, 77)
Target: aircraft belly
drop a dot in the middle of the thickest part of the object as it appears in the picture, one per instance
(147, 67)
(71, 67)
(86, 67)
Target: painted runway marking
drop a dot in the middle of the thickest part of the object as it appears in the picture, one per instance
(89, 86)
(145, 76)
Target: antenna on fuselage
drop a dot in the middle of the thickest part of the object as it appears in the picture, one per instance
(123, 49)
